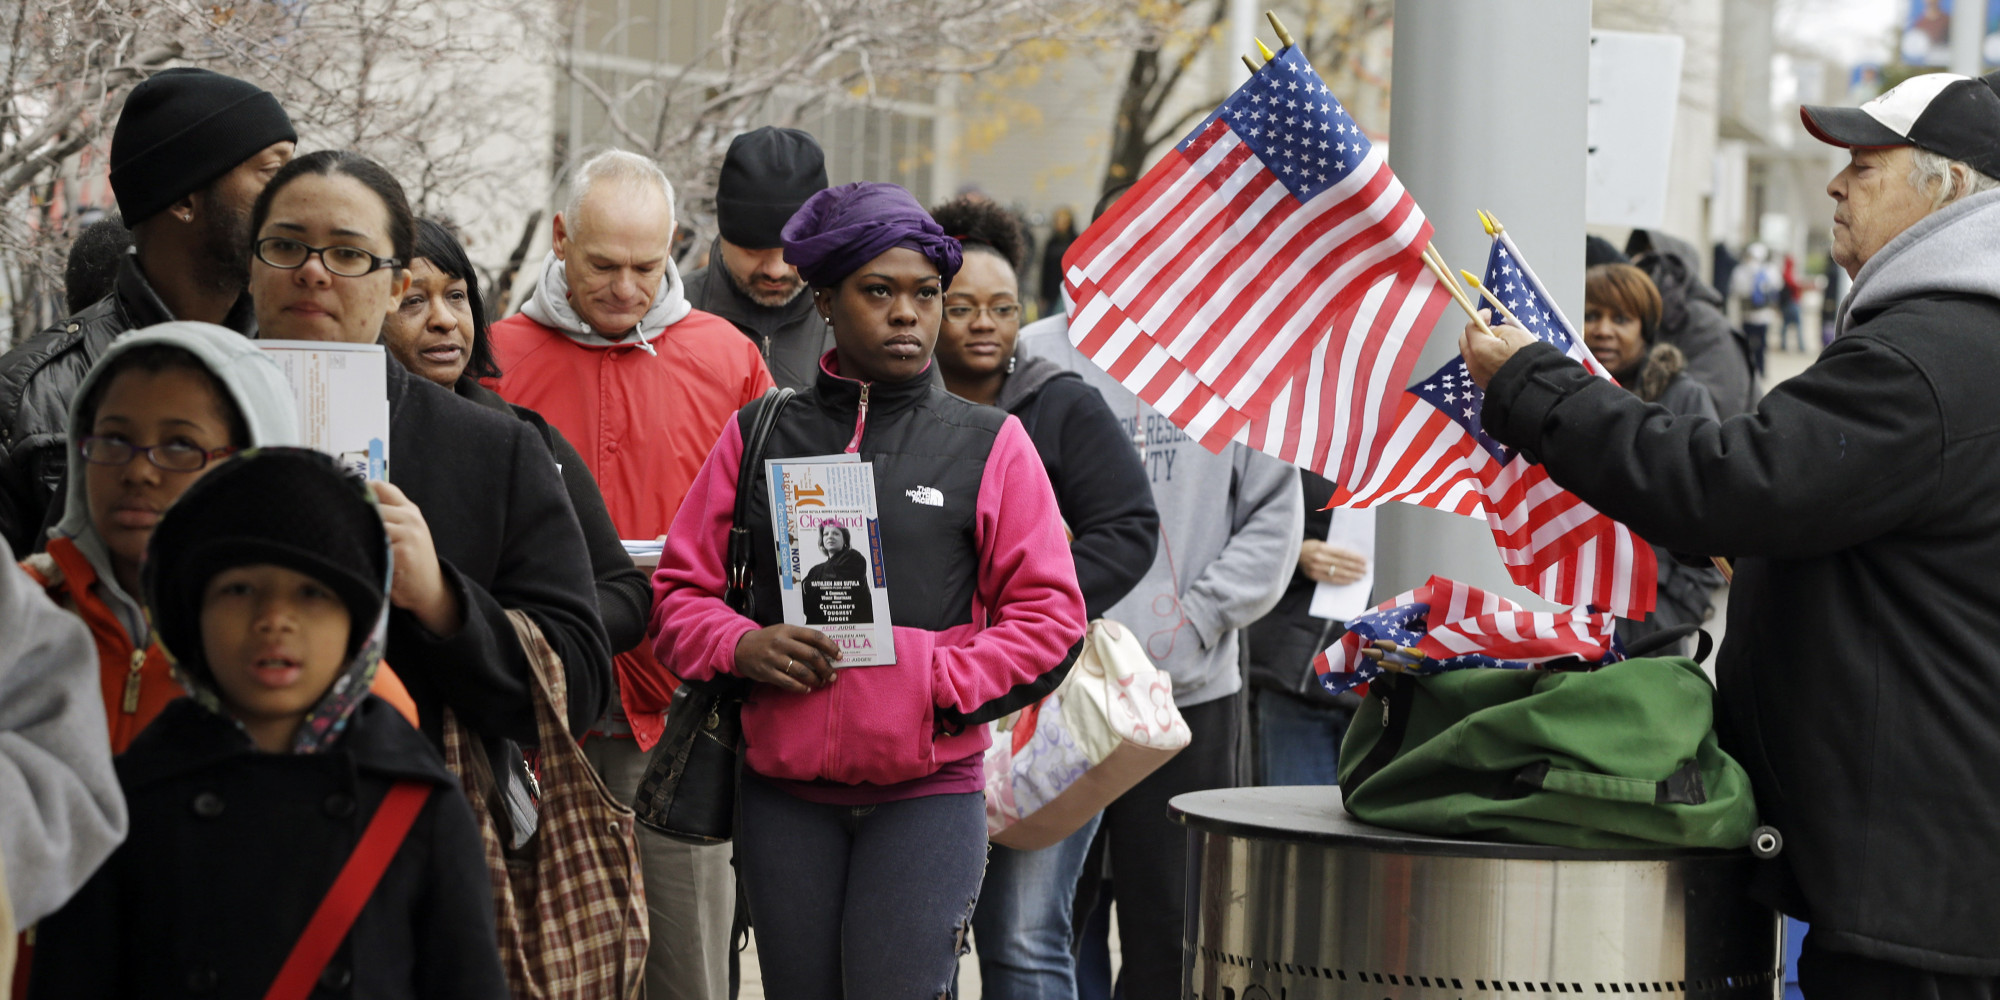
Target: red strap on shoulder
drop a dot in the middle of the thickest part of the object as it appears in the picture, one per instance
(351, 889)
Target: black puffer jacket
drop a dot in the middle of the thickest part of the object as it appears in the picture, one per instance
(37, 379)
(1860, 677)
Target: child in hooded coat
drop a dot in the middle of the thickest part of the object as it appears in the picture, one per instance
(267, 582)
(223, 379)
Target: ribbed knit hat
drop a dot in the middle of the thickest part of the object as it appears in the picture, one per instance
(766, 175)
(183, 128)
(288, 507)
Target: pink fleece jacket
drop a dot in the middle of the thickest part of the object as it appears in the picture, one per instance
(875, 725)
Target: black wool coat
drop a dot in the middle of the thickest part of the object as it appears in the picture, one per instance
(1860, 675)
(507, 538)
(231, 851)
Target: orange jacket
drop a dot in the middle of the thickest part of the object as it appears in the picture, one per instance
(644, 422)
(137, 683)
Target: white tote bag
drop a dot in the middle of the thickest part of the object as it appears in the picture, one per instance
(1058, 762)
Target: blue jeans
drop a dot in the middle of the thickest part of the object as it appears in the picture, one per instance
(859, 901)
(1298, 742)
(1023, 919)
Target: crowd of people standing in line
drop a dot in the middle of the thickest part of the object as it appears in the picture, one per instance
(283, 650)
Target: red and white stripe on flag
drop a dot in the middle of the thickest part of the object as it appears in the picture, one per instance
(1464, 622)
(1209, 289)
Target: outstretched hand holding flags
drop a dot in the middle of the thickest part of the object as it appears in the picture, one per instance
(1270, 282)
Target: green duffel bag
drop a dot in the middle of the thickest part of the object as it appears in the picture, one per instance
(1623, 756)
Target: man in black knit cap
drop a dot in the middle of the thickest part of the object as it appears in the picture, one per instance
(191, 152)
(766, 175)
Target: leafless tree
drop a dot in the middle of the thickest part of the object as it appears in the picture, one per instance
(411, 83)
(1154, 109)
(781, 61)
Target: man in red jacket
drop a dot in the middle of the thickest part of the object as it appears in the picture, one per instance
(609, 351)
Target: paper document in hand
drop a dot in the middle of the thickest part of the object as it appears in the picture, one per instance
(829, 538)
(1352, 529)
(343, 397)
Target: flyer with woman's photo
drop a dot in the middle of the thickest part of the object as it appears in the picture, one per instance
(829, 538)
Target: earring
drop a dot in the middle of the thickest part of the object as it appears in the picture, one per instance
(1010, 363)
(829, 320)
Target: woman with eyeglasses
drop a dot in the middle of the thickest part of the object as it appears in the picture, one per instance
(1022, 922)
(439, 331)
(162, 407)
(475, 507)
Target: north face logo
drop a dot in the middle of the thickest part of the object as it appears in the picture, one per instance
(929, 496)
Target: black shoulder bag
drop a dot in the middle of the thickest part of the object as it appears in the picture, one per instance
(689, 789)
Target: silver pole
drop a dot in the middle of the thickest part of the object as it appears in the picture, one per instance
(1488, 112)
(1968, 35)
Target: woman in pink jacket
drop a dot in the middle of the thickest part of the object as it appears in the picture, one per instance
(862, 831)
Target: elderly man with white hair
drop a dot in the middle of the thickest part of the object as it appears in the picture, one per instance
(609, 351)
(1860, 677)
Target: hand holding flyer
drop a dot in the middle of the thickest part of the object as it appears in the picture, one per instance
(829, 540)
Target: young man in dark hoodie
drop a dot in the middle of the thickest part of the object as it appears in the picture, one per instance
(766, 175)
(268, 581)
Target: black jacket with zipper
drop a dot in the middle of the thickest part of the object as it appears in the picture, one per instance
(1860, 673)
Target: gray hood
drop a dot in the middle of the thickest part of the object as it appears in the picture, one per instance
(1948, 252)
(550, 307)
(257, 385)
(1030, 374)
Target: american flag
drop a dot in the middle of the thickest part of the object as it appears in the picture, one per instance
(1457, 626)
(1439, 456)
(1272, 246)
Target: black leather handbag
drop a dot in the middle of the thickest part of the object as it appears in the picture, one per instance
(689, 789)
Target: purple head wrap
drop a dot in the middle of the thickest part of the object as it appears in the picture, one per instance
(841, 228)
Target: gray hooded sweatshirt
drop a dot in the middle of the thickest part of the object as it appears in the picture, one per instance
(1230, 529)
(1947, 252)
(61, 811)
(549, 306)
(255, 383)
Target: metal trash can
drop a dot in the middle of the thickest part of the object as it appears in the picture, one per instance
(1290, 898)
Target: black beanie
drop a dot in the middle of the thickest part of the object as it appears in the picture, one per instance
(1598, 250)
(766, 176)
(290, 507)
(183, 128)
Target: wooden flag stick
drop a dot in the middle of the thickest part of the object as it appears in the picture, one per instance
(1284, 37)
(1728, 571)
(1435, 261)
(1493, 300)
(1253, 64)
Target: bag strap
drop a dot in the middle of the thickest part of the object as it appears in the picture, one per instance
(737, 589)
(351, 889)
(1684, 787)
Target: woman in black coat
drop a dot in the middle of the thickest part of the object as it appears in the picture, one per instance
(1022, 920)
(476, 510)
(438, 331)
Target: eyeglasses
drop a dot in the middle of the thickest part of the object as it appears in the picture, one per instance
(348, 262)
(1005, 312)
(173, 456)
